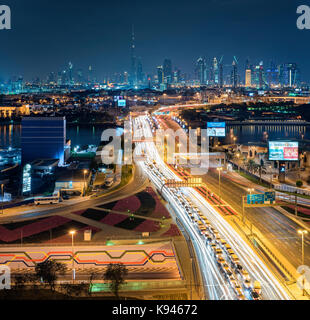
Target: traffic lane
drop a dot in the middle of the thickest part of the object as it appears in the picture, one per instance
(276, 227)
(138, 183)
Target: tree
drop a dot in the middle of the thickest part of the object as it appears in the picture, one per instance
(116, 274)
(251, 165)
(47, 271)
(299, 183)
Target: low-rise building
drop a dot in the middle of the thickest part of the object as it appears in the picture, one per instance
(73, 180)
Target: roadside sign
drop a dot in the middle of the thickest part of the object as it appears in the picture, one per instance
(255, 198)
(261, 198)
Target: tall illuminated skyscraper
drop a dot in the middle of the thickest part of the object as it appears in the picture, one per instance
(234, 73)
(215, 71)
(167, 68)
(160, 74)
(133, 70)
(248, 78)
(201, 70)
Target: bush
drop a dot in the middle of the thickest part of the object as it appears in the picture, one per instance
(299, 183)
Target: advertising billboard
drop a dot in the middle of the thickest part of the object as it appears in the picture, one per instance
(216, 129)
(283, 151)
(121, 103)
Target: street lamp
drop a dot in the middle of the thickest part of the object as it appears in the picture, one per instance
(72, 232)
(303, 233)
(271, 174)
(2, 200)
(219, 171)
(238, 156)
(85, 171)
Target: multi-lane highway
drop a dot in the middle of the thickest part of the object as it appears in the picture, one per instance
(276, 227)
(218, 283)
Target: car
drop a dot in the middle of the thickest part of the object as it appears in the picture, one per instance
(225, 266)
(232, 280)
(238, 290)
(208, 237)
(213, 246)
(218, 252)
(230, 252)
(256, 296)
(247, 284)
(228, 272)
(244, 275)
(221, 261)
(234, 259)
(227, 246)
(257, 287)
(218, 238)
(222, 242)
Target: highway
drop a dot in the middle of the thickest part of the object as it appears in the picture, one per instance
(276, 227)
(215, 283)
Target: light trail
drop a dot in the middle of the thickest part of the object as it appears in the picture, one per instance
(215, 284)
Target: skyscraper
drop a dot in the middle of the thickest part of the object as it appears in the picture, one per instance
(221, 76)
(234, 73)
(90, 74)
(200, 70)
(139, 71)
(167, 68)
(160, 74)
(289, 75)
(248, 80)
(70, 74)
(215, 71)
(133, 70)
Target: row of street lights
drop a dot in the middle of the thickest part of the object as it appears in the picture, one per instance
(301, 232)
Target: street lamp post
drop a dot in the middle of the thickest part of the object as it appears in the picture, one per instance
(85, 171)
(73, 271)
(219, 171)
(303, 233)
(271, 174)
(238, 156)
(2, 200)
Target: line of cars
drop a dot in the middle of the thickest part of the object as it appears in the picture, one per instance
(226, 258)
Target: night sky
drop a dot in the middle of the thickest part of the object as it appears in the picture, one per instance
(47, 34)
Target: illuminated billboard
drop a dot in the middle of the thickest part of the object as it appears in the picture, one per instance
(216, 129)
(121, 103)
(283, 151)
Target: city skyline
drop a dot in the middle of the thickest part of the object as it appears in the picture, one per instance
(187, 38)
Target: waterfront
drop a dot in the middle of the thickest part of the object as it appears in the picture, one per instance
(78, 134)
(262, 133)
(91, 134)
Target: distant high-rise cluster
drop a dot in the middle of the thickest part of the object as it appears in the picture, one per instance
(209, 72)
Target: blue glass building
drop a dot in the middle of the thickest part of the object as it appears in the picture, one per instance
(43, 138)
